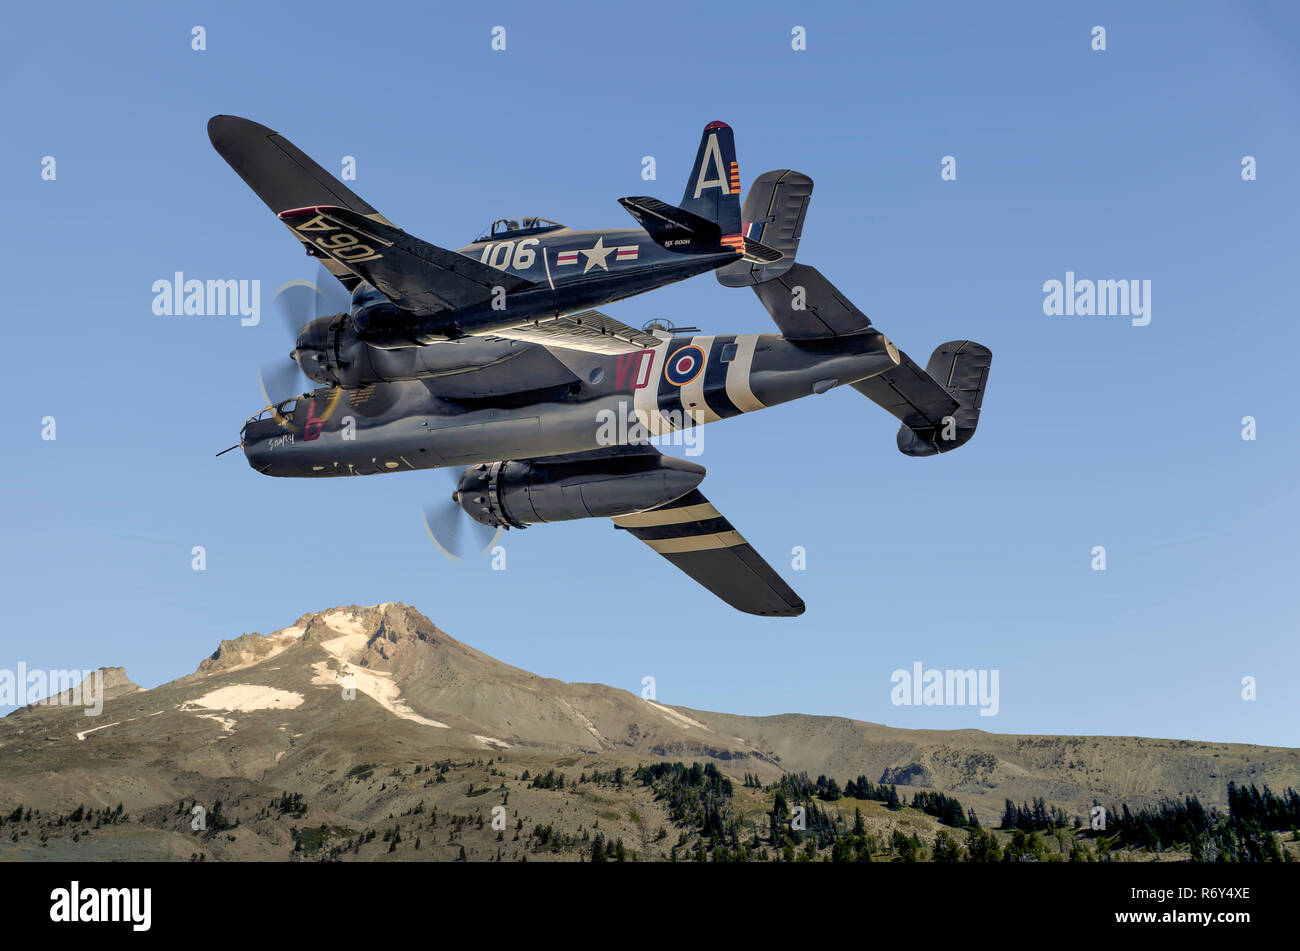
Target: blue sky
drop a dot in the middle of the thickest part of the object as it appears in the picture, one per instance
(1123, 164)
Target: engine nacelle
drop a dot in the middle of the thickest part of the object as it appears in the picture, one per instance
(330, 352)
(380, 323)
(516, 494)
(333, 351)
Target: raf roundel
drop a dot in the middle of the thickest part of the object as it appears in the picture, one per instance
(684, 365)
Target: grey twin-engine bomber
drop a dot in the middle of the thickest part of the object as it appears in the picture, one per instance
(491, 358)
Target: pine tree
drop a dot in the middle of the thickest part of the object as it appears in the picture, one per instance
(945, 848)
(981, 846)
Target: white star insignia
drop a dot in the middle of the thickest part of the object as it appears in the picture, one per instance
(596, 256)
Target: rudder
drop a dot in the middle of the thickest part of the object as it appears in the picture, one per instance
(773, 214)
(713, 189)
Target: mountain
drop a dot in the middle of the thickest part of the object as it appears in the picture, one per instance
(357, 721)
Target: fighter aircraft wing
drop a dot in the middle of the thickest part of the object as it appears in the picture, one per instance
(283, 176)
(420, 278)
(590, 331)
(695, 537)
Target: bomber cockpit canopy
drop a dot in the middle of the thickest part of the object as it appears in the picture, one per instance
(517, 227)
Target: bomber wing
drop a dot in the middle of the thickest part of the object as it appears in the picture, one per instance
(590, 331)
(695, 537)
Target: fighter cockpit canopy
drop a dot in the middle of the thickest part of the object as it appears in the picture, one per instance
(516, 227)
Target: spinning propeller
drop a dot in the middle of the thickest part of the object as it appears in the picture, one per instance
(452, 529)
(300, 302)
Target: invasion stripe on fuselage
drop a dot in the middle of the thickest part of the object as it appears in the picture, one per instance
(715, 380)
(646, 399)
(721, 390)
(738, 370)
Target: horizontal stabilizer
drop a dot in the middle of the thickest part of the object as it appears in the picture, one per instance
(758, 253)
(939, 406)
(590, 331)
(674, 228)
(420, 278)
(806, 306)
(774, 211)
(694, 536)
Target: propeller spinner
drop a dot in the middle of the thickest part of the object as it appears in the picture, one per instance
(451, 528)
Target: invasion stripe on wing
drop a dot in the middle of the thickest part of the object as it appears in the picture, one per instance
(666, 546)
(689, 524)
(683, 513)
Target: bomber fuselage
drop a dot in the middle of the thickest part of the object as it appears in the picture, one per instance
(575, 402)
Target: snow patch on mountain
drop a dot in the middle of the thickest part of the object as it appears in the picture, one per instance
(376, 684)
(680, 718)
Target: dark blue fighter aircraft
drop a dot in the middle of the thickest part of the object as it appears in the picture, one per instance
(524, 273)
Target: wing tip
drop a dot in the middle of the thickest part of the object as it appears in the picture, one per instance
(792, 611)
(224, 129)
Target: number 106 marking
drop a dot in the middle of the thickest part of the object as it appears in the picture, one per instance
(518, 256)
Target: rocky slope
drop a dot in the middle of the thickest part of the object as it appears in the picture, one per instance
(354, 717)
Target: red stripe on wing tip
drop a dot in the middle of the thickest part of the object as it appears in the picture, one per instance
(310, 209)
